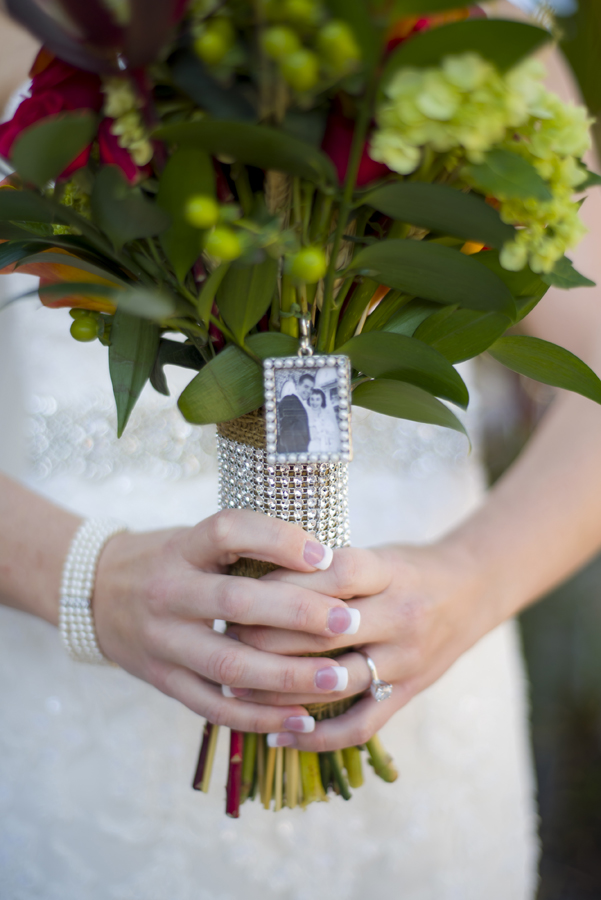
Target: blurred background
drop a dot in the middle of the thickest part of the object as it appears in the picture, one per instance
(562, 635)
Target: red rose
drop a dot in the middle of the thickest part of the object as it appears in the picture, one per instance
(56, 87)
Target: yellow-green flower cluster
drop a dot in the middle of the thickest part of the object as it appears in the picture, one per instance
(75, 195)
(465, 108)
(122, 103)
(552, 140)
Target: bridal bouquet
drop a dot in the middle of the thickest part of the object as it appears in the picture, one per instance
(384, 184)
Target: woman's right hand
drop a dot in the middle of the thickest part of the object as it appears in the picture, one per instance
(157, 594)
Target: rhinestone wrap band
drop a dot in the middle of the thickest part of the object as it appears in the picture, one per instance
(75, 616)
(314, 496)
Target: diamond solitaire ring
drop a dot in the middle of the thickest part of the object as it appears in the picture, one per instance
(380, 690)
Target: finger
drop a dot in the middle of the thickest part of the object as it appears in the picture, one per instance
(250, 602)
(207, 700)
(390, 668)
(379, 622)
(352, 728)
(223, 538)
(352, 573)
(226, 662)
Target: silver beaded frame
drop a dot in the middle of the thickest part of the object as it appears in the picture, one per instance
(310, 363)
(313, 495)
(76, 621)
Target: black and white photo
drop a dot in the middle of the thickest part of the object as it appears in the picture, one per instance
(307, 408)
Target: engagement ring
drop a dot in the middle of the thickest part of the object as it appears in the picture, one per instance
(380, 690)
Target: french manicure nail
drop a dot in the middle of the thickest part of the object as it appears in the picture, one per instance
(234, 692)
(333, 678)
(281, 739)
(344, 620)
(302, 724)
(318, 555)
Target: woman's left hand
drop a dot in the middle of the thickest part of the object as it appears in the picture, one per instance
(421, 608)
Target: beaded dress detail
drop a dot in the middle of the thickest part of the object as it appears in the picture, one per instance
(95, 797)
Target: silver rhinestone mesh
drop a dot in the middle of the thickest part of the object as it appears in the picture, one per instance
(314, 496)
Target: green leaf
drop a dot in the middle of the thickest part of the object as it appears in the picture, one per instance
(460, 334)
(565, 276)
(501, 41)
(44, 150)
(254, 145)
(404, 8)
(132, 352)
(122, 211)
(441, 209)
(25, 206)
(406, 320)
(232, 383)
(245, 295)
(15, 251)
(380, 353)
(592, 179)
(526, 287)
(405, 401)
(508, 176)
(219, 101)
(62, 289)
(434, 272)
(173, 353)
(146, 303)
(189, 171)
(548, 363)
(355, 13)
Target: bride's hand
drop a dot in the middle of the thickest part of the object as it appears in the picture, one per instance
(421, 608)
(157, 594)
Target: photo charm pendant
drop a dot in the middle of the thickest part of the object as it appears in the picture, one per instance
(307, 409)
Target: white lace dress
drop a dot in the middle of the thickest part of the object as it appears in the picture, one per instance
(95, 766)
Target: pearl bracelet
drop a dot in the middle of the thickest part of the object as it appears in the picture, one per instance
(76, 622)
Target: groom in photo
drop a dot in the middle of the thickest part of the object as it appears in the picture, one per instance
(293, 421)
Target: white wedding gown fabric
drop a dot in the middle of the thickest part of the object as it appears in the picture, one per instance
(95, 766)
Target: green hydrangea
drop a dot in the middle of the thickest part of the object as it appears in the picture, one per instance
(466, 107)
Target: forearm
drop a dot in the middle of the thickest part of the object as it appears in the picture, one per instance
(542, 520)
(34, 540)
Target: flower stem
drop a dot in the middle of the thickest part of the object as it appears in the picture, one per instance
(335, 758)
(310, 776)
(292, 777)
(202, 778)
(269, 773)
(279, 778)
(353, 766)
(248, 765)
(202, 756)
(232, 801)
(381, 760)
(359, 136)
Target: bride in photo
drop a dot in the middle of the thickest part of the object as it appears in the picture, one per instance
(323, 427)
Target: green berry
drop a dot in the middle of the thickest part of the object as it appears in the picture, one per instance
(279, 42)
(78, 313)
(202, 211)
(301, 12)
(309, 265)
(84, 329)
(301, 70)
(337, 46)
(215, 41)
(223, 243)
